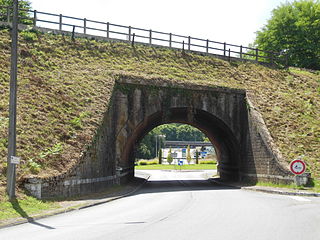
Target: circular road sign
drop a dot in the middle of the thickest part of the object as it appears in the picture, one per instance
(297, 166)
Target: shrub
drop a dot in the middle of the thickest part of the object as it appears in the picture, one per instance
(143, 162)
(207, 162)
(33, 166)
(29, 36)
(152, 162)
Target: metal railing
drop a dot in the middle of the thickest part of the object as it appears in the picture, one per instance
(139, 35)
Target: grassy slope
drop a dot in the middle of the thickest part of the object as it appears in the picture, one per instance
(65, 86)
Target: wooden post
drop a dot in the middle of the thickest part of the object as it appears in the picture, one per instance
(241, 52)
(132, 43)
(189, 43)
(182, 45)
(108, 29)
(170, 39)
(129, 37)
(85, 26)
(150, 36)
(35, 18)
(224, 48)
(73, 30)
(257, 54)
(207, 46)
(60, 22)
(229, 56)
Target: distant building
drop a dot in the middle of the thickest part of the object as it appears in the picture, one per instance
(179, 150)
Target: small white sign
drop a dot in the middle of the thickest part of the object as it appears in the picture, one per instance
(15, 160)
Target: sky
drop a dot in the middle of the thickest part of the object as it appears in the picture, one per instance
(231, 21)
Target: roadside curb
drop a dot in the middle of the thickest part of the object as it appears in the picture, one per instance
(268, 189)
(80, 206)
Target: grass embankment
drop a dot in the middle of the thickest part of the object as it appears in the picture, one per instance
(176, 167)
(315, 186)
(65, 86)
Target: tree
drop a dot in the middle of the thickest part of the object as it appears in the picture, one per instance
(160, 156)
(294, 29)
(197, 157)
(188, 155)
(169, 157)
(23, 4)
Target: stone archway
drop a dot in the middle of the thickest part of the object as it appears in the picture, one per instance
(244, 146)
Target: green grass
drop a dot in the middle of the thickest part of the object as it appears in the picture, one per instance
(176, 167)
(314, 188)
(24, 208)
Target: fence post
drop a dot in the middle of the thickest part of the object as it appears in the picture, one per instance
(189, 42)
(108, 29)
(170, 40)
(8, 14)
(207, 46)
(60, 22)
(182, 45)
(132, 43)
(224, 48)
(257, 54)
(85, 26)
(35, 18)
(229, 55)
(73, 30)
(129, 37)
(241, 52)
(150, 36)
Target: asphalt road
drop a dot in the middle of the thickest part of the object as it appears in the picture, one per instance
(183, 205)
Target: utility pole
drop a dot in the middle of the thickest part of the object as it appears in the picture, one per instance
(11, 170)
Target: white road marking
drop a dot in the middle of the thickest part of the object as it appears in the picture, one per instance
(301, 199)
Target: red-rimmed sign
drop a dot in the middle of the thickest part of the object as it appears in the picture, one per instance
(297, 166)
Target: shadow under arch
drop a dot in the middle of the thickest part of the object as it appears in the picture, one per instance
(221, 136)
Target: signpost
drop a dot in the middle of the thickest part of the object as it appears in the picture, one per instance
(180, 163)
(297, 166)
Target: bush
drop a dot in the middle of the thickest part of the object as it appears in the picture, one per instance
(143, 162)
(207, 162)
(152, 162)
(29, 36)
(33, 166)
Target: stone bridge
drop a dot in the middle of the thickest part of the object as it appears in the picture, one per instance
(244, 148)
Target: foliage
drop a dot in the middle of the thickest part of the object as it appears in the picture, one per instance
(188, 157)
(172, 132)
(33, 166)
(207, 162)
(23, 4)
(29, 36)
(294, 29)
(148, 162)
(169, 157)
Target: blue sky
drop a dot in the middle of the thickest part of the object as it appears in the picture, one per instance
(232, 21)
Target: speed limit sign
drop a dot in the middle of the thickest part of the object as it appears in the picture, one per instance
(297, 166)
